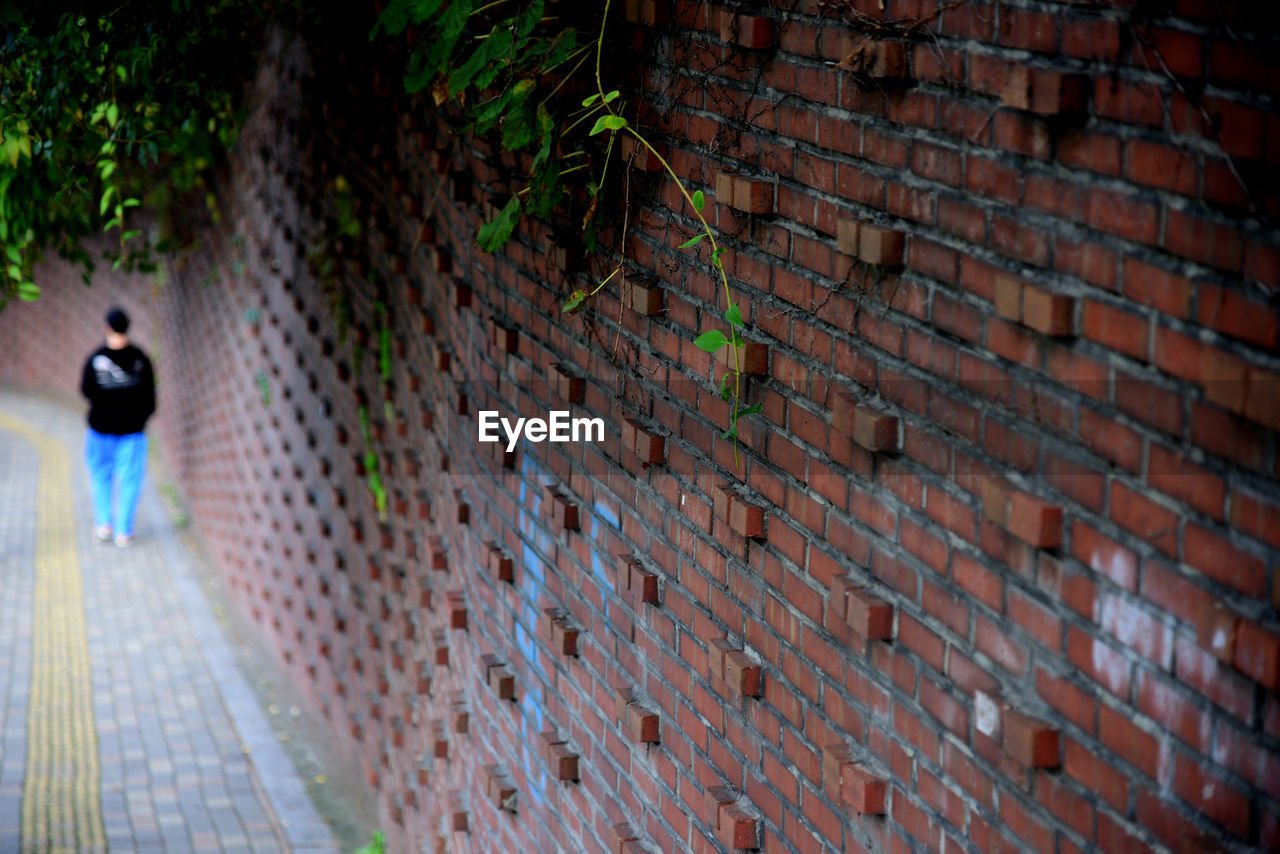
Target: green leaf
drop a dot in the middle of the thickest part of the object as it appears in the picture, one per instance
(529, 18)
(692, 241)
(733, 314)
(710, 341)
(590, 99)
(106, 200)
(28, 291)
(608, 122)
(612, 96)
(699, 201)
(495, 232)
(113, 114)
(750, 410)
(575, 301)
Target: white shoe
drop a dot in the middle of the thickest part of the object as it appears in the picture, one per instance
(103, 533)
(124, 542)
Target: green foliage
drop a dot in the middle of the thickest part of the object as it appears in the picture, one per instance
(105, 111)
(503, 63)
(377, 844)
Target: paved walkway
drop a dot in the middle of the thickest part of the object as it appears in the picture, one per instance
(125, 724)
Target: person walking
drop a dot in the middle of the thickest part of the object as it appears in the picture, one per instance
(119, 383)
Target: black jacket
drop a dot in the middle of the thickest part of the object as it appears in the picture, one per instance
(121, 390)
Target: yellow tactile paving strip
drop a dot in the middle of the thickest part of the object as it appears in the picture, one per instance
(61, 804)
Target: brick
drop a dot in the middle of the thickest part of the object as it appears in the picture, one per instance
(742, 674)
(643, 585)
(1030, 742)
(751, 357)
(753, 195)
(746, 520)
(1048, 313)
(848, 233)
(563, 762)
(1216, 631)
(870, 429)
(737, 828)
(567, 385)
(1258, 654)
(1008, 297)
(1048, 93)
(752, 32)
(876, 59)
(499, 564)
(643, 297)
(650, 448)
(642, 725)
(640, 156)
(881, 247)
(649, 13)
(869, 616)
(564, 512)
(1035, 521)
(995, 500)
(863, 790)
(506, 339)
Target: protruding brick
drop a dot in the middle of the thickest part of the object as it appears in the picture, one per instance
(847, 235)
(640, 156)
(564, 762)
(566, 385)
(1217, 628)
(737, 828)
(876, 58)
(1030, 742)
(620, 834)
(746, 520)
(643, 586)
(506, 338)
(500, 564)
(753, 195)
(650, 448)
(870, 617)
(564, 512)
(752, 32)
(717, 797)
(724, 186)
(1048, 313)
(500, 790)
(862, 789)
(995, 500)
(642, 724)
(752, 357)
(882, 247)
(1035, 521)
(742, 674)
(564, 638)
(1048, 93)
(457, 608)
(644, 297)
(1008, 297)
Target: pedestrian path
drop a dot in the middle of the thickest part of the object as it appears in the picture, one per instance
(125, 724)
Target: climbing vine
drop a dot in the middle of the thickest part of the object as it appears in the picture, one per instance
(508, 69)
(104, 112)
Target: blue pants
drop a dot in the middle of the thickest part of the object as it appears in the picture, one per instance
(116, 466)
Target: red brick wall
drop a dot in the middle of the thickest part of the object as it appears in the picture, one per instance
(1041, 615)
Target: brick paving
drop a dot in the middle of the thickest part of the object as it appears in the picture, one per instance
(187, 761)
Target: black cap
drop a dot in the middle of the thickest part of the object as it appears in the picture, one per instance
(118, 320)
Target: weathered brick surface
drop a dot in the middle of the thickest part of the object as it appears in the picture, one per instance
(1060, 286)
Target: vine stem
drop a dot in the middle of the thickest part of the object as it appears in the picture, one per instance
(736, 364)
